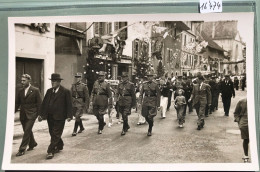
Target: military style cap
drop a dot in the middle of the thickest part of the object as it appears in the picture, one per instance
(150, 73)
(179, 76)
(78, 75)
(101, 73)
(213, 77)
(124, 74)
(227, 75)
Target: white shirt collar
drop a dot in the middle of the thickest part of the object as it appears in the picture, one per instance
(26, 89)
(201, 84)
(57, 89)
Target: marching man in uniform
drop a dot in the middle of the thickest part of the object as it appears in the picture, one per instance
(150, 97)
(80, 101)
(126, 99)
(101, 97)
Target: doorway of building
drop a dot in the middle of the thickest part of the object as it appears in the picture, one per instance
(33, 67)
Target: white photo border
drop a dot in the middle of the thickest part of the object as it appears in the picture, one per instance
(247, 18)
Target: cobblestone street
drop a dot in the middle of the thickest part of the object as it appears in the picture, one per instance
(218, 142)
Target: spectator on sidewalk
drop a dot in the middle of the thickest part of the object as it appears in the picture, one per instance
(56, 108)
(29, 101)
(80, 102)
(241, 118)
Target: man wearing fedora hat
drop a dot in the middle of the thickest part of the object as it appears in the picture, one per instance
(56, 108)
(200, 96)
(101, 98)
(227, 91)
(126, 100)
(80, 101)
(150, 98)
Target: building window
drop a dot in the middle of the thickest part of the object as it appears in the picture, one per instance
(184, 41)
(109, 28)
(122, 34)
(99, 28)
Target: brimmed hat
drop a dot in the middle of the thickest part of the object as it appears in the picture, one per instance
(55, 76)
(78, 75)
(125, 74)
(101, 73)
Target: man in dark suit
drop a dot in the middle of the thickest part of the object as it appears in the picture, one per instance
(227, 91)
(56, 108)
(201, 97)
(29, 100)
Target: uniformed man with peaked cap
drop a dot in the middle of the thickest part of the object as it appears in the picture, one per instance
(101, 97)
(126, 99)
(150, 97)
(80, 101)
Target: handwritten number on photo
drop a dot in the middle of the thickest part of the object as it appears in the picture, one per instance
(209, 6)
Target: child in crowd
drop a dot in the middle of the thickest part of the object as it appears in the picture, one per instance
(180, 104)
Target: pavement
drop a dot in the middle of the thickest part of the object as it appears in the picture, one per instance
(218, 142)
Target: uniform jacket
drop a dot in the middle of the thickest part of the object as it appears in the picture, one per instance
(150, 94)
(201, 95)
(62, 103)
(126, 94)
(101, 94)
(240, 113)
(29, 104)
(80, 95)
(227, 89)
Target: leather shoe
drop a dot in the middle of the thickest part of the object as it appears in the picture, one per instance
(57, 150)
(99, 131)
(31, 148)
(123, 133)
(50, 156)
(128, 127)
(80, 131)
(74, 134)
(199, 127)
(149, 133)
(20, 153)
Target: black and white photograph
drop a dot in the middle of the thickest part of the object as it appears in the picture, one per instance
(138, 91)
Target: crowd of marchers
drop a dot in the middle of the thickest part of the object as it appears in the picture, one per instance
(149, 96)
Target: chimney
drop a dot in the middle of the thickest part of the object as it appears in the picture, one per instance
(213, 30)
